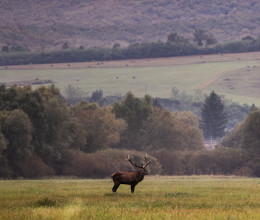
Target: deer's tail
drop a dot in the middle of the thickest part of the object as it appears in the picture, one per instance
(112, 175)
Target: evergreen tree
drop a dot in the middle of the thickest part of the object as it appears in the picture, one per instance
(213, 117)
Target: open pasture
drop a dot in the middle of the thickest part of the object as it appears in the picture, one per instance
(195, 197)
(151, 76)
(243, 83)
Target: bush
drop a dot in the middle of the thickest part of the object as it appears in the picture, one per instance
(5, 172)
(35, 167)
(222, 161)
(201, 163)
(103, 163)
(171, 162)
(244, 171)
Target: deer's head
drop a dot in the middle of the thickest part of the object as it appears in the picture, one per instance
(141, 169)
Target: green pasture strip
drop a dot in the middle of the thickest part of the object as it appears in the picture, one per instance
(196, 197)
(242, 85)
(156, 81)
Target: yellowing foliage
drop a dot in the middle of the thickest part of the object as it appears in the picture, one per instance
(177, 131)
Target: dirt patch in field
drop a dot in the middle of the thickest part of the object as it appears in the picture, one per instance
(168, 61)
(212, 80)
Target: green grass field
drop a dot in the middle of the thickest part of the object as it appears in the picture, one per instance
(195, 197)
(155, 77)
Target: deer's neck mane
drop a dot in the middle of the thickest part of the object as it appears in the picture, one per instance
(140, 175)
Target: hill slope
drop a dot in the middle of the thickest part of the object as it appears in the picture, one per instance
(44, 25)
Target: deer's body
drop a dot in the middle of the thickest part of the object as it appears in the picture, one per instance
(129, 178)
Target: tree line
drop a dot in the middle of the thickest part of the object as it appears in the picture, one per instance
(41, 135)
(176, 45)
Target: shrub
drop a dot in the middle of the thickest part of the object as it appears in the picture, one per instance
(244, 171)
(202, 162)
(103, 163)
(35, 167)
(171, 162)
(222, 161)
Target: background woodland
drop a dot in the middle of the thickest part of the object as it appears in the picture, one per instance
(41, 135)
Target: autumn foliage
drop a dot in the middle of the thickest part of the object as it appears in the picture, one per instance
(40, 135)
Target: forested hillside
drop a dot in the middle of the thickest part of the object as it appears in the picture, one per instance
(45, 25)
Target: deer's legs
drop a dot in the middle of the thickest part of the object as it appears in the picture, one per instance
(132, 188)
(115, 187)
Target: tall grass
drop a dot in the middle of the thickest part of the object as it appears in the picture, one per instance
(155, 198)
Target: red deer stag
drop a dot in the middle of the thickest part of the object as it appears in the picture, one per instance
(130, 178)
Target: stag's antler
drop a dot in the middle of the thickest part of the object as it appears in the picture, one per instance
(146, 161)
(129, 158)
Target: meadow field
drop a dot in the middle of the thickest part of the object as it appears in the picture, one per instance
(237, 76)
(157, 197)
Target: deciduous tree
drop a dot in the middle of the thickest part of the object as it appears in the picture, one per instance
(175, 131)
(247, 137)
(201, 37)
(102, 128)
(134, 111)
(17, 129)
(251, 132)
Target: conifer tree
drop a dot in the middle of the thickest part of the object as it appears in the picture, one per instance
(213, 116)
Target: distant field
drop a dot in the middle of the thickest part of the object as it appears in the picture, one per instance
(235, 75)
(195, 197)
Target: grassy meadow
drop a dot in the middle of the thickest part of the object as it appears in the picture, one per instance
(195, 197)
(152, 76)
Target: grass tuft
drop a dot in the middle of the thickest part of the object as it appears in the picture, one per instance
(48, 202)
(179, 194)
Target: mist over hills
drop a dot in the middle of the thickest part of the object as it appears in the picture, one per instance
(47, 25)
